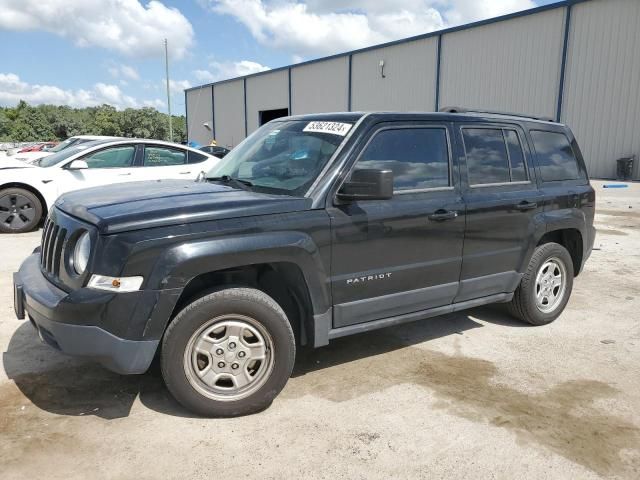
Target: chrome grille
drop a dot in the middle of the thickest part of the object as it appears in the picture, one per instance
(53, 237)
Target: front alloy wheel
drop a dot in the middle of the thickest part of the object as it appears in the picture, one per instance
(229, 358)
(20, 210)
(228, 353)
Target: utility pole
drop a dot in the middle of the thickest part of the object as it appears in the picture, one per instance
(166, 63)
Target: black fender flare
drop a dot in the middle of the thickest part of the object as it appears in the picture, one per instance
(178, 265)
(556, 220)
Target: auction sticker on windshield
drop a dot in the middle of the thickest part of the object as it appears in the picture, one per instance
(335, 128)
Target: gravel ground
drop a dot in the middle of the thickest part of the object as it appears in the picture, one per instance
(469, 395)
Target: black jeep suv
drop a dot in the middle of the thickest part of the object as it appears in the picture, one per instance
(313, 228)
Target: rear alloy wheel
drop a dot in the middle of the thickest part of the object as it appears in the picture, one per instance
(551, 283)
(20, 211)
(545, 287)
(228, 353)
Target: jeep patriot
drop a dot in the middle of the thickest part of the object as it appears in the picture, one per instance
(313, 228)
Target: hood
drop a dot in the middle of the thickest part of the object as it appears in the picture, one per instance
(138, 205)
(31, 157)
(11, 162)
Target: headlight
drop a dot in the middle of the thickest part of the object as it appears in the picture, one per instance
(81, 253)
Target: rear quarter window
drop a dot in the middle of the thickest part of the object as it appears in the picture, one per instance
(556, 159)
(194, 157)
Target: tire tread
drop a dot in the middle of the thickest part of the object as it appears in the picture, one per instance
(249, 404)
(522, 306)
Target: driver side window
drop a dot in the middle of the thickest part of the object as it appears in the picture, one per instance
(116, 157)
(418, 157)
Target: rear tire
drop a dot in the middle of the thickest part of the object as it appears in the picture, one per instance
(20, 210)
(546, 286)
(228, 353)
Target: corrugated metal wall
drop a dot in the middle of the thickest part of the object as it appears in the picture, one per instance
(511, 66)
(268, 91)
(320, 87)
(409, 83)
(508, 65)
(602, 86)
(199, 111)
(229, 112)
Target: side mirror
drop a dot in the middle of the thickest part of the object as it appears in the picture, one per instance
(368, 184)
(78, 165)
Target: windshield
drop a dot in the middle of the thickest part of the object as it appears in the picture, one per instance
(283, 157)
(62, 145)
(58, 157)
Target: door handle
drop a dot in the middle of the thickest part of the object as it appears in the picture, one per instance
(523, 206)
(124, 174)
(185, 173)
(442, 215)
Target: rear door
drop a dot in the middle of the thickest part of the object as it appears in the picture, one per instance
(402, 255)
(163, 162)
(503, 206)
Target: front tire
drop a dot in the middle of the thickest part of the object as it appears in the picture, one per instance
(228, 353)
(546, 286)
(20, 210)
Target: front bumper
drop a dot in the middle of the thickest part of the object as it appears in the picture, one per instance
(68, 321)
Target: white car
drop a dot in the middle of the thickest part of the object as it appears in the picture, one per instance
(69, 142)
(27, 191)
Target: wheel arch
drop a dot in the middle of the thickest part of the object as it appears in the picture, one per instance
(571, 239)
(282, 281)
(285, 265)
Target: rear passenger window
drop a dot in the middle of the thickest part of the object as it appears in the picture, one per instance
(162, 157)
(556, 159)
(494, 155)
(418, 157)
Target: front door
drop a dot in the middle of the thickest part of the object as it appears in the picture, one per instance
(402, 255)
(503, 203)
(110, 165)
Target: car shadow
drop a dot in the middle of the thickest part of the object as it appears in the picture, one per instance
(63, 385)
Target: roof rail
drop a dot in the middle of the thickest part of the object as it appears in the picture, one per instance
(509, 114)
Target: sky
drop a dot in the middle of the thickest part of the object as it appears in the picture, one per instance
(89, 52)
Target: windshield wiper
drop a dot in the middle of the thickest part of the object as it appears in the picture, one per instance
(238, 182)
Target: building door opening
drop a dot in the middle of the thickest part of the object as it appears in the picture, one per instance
(268, 115)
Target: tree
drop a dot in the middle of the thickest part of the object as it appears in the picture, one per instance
(107, 121)
(5, 126)
(24, 123)
(30, 125)
(179, 129)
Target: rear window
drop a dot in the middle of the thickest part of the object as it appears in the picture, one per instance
(556, 158)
